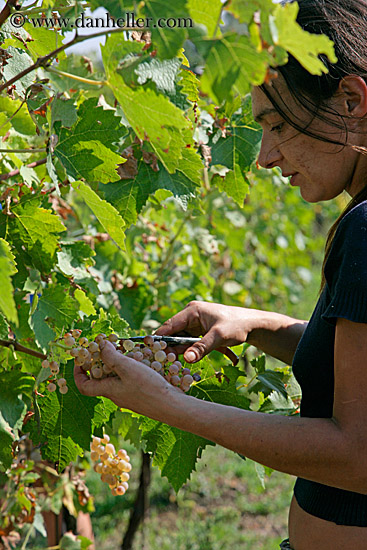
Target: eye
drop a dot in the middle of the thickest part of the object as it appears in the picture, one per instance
(278, 128)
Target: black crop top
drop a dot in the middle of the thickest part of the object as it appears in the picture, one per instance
(344, 295)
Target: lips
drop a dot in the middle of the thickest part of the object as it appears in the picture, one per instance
(293, 176)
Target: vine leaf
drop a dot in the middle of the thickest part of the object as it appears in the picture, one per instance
(87, 150)
(175, 451)
(7, 269)
(205, 12)
(35, 234)
(62, 433)
(55, 306)
(151, 115)
(12, 410)
(106, 214)
(304, 46)
(167, 41)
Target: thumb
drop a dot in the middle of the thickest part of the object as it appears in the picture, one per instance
(200, 349)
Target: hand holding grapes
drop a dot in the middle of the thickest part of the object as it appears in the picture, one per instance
(135, 386)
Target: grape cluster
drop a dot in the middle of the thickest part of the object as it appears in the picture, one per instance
(151, 353)
(113, 467)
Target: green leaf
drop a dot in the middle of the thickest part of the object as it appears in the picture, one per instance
(62, 433)
(36, 230)
(7, 269)
(162, 73)
(57, 307)
(206, 12)
(12, 410)
(232, 62)
(63, 110)
(21, 121)
(304, 46)
(152, 116)
(44, 41)
(175, 452)
(88, 150)
(269, 381)
(4, 328)
(245, 9)
(134, 302)
(234, 184)
(85, 304)
(167, 41)
(106, 214)
(127, 426)
(19, 62)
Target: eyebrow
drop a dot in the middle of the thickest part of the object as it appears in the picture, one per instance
(262, 114)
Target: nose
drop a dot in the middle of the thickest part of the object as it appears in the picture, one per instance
(270, 155)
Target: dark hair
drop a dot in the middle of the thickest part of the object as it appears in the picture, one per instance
(345, 23)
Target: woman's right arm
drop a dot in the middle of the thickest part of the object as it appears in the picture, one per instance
(224, 326)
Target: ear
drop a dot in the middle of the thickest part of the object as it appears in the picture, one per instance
(353, 90)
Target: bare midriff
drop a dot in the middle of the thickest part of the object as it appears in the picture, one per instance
(307, 532)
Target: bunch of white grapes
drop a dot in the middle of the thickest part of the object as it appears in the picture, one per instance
(113, 467)
(152, 353)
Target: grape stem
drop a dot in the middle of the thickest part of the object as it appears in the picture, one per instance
(22, 349)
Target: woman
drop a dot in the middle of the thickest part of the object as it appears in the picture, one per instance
(315, 131)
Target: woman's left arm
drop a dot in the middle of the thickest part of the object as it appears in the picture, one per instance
(329, 451)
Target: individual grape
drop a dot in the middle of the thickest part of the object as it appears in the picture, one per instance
(121, 453)
(147, 352)
(160, 356)
(45, 364)
(54, 365)
(84, 353)
(156, 346)
(105, 439)
(61, 382)
(94, 456)
(106, 369)
(55, 370)
(69, 341)
(63, 389)
(120, 490)
(156, 365)
(171, 357)
(148, 340)
(79, 361)
(83, 341)
(97, 372)
(187, 379)
(146, 362)
(173, 369)
(124, 476)
(99, 338)
(95, 356)
(98, 468)
(196, 376)
(138, 356)
(51, 387)
(76, 332)
(178, 363)
(185, 371)
(93, 347)
(163, 344)
(175, 380)
(110, 449)
(96, 440)
(74, 352)
(128, 345)
(113, 337)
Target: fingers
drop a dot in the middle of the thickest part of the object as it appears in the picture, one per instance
(183, 321)
(90, 387)
(197, 351)
(115, 360)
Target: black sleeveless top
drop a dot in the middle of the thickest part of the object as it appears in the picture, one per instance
(344, 295)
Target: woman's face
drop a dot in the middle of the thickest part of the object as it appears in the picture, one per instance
(321, 170)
